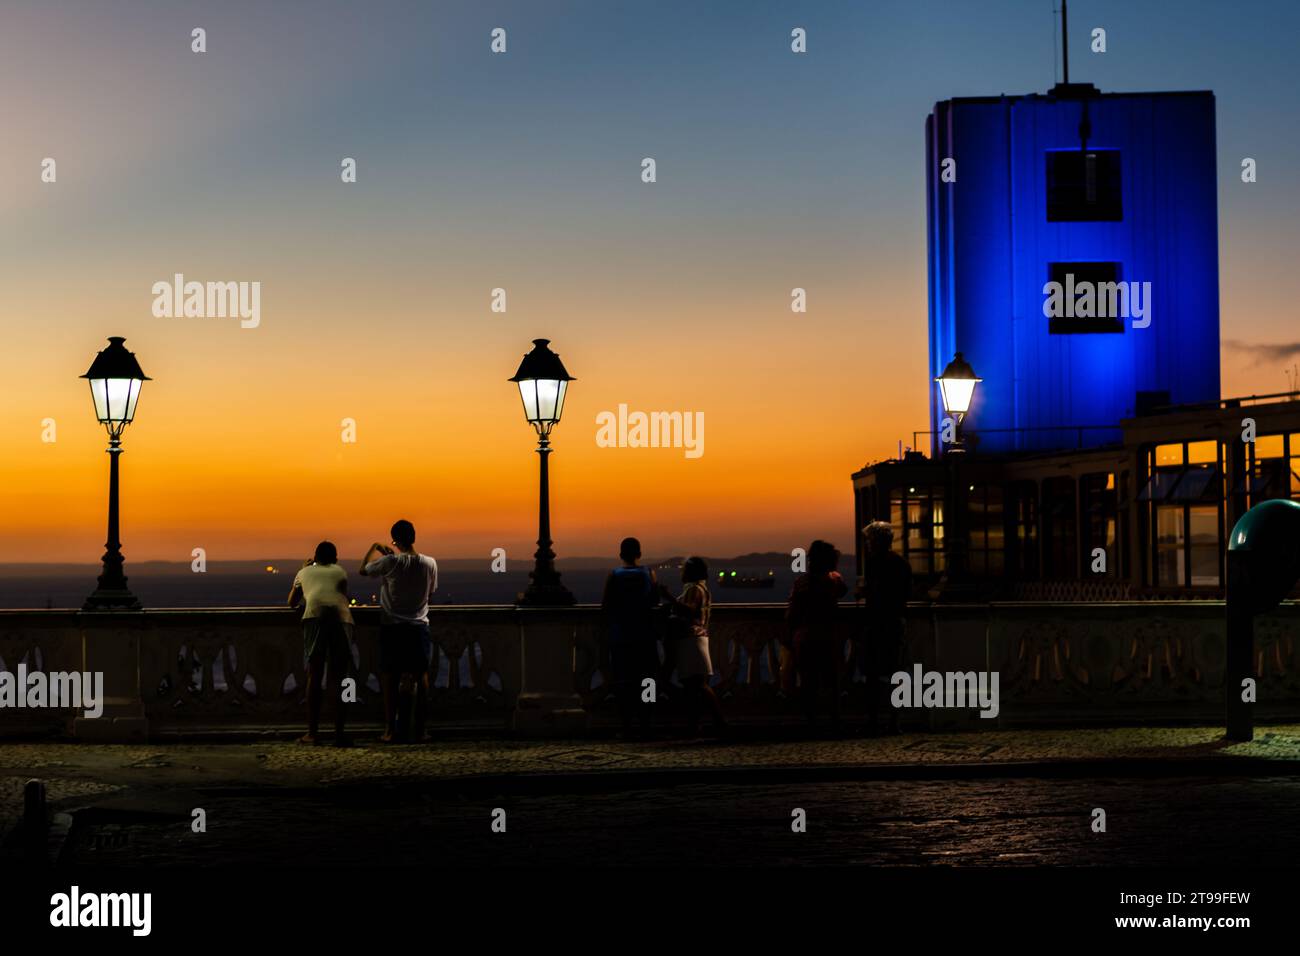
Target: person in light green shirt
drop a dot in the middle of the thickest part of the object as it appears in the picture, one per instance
(321, 586)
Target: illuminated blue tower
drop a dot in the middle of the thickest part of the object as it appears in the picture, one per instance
(1097, 191)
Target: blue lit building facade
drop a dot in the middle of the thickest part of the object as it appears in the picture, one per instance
(1100, 461)
(1105, 187)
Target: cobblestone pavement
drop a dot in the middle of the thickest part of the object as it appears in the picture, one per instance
(1017, 796)
(1179, 821)
(1167, 822)
(74, 766)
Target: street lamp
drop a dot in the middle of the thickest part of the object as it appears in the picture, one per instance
(957, 386)
(115, 380)
(543, 382)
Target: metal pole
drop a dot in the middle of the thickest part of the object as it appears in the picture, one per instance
(1065, 42)
(545, 557)
(545, 588)
(113, 576)
(1240, 658)
(112, 591)
(959, 569)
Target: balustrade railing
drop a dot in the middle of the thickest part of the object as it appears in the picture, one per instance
(180, 670)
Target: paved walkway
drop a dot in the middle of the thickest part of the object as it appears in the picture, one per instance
(73, 769)
(132, 803)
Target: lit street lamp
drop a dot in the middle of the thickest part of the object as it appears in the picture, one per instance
(957, 386)
(115, 380)
(543, 381)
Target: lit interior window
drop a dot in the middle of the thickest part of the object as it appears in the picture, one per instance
(1167, 455)
(1268, 446)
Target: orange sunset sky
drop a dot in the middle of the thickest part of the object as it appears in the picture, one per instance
(519, 171)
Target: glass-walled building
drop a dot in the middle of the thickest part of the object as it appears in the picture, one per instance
(1147, 517)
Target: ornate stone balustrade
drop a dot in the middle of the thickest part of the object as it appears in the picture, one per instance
(180, 670)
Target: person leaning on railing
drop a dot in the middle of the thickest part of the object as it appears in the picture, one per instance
(321, 585)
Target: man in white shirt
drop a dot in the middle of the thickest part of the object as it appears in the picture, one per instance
(405, 646)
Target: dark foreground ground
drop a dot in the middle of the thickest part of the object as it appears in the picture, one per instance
(1171, 797)
(1017, 821)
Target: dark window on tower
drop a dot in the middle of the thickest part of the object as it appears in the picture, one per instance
(1091, 298)
(1084, 186)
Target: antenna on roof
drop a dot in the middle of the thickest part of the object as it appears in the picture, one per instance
(1066, 89)
(1065, 42)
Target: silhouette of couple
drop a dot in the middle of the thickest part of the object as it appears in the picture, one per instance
(631, 598)
(813, 652)
(405, 645)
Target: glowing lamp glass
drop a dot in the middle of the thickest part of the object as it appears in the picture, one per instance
(115, 399)
(543, 399)
(957, 385)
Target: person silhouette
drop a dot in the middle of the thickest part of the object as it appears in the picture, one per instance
(405, 645)
(628, 602)
(884, 589)
(689, 640)
(810, 615)
(321, 586)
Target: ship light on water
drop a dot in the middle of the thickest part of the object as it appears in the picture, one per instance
(746, 578)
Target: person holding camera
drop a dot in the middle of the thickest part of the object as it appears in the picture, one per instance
(405, 645)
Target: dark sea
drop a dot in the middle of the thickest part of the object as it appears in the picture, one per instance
(249, 584)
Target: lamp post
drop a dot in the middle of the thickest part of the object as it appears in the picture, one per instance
(957, 388)
(115, 380)
(1263, 566)
(543, 382)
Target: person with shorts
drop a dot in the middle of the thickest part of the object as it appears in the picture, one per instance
(405, 646)
(321, 585)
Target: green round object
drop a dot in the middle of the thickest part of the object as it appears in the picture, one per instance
(1265, 548)
(1271, 526)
